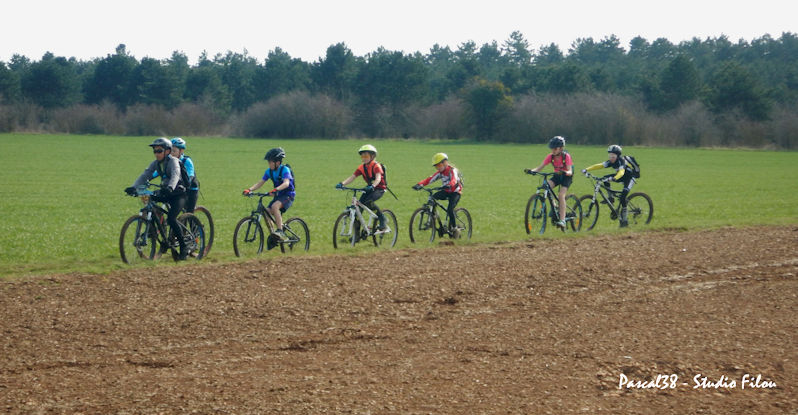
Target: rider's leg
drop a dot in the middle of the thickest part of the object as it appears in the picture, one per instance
(368, 200)
(274, 208)
(561, 198)
(627, 187)
(176, 205)
(454, 198)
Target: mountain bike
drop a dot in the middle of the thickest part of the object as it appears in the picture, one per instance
(427, 220)
(639, 207)
(248, 237)
(537, 213)
(359, 223)
(145, 237)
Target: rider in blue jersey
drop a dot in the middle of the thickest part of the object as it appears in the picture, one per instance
(283, 191)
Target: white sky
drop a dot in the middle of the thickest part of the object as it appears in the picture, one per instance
(88, 29)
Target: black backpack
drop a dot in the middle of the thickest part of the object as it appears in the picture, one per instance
(384, 177)
(182, 184)
(281, 171)
(632, 165)
(192, 182)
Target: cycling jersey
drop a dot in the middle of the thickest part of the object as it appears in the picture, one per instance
(450, 180)
(277, 180)
(557, 162)
(369, 172)
(619, 165)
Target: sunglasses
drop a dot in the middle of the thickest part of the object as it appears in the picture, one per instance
(157, 150)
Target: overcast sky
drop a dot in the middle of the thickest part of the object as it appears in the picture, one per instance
(88, 29)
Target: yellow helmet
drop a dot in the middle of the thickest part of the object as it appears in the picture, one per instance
(368, 147)
(439, 157)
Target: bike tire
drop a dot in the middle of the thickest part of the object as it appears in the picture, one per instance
(248, 237)
(193, 235)
(590, 211)
(639, 209)
(462, 219)
(296, 228)
(387, 239)
(535, 215)
(420, 223)
(133, 246)
(573, 213)
(342, 235)
(208, 226)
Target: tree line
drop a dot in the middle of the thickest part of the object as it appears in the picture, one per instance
(700, 92)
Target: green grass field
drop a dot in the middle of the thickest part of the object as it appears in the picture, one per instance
(62, 200)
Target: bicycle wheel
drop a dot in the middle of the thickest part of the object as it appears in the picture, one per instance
(535, 216)
(138, 241)
(590, 211)
(202, 213)
(193, 235)
(388, 238)
(421, 223)
(573, 214)
(248, 238)
(640, 209)
(298, 234)
(462, 220)
(343, 234)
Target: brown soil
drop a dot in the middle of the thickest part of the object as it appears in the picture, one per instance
(543, 326)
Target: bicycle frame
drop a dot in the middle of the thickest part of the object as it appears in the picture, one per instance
(599, 189)
(356, 213)
(432, 206)
(262, 211)
(548, 194)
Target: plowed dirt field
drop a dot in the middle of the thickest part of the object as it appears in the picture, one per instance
(542, 326)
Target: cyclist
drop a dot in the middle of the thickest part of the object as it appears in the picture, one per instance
(563, 169)
(178, 148)
(284, 190)
(453, 187)
(173, 187)
(616, 162)
(372, 173)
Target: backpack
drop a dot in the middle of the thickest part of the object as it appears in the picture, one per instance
(281, 171)
(384, 178)
(184, 179)
(632, 165)
(192, 182)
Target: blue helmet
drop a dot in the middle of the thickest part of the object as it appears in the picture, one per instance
(179, 143)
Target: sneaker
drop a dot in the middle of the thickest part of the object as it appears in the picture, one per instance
(456, 233)
(624, 223)
(280, 234)
(561, 224)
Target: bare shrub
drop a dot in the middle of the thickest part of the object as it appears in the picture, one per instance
(195, 119)
(783, 127)
(87, 119)
(146, 120)
(295, 115)
(444, 120)
(22, 117)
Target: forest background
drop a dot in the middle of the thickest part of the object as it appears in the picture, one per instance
(708, 93)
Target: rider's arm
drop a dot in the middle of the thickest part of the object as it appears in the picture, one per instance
(537, 169)
(257, 185)
(348, 180)
(189, 167)
(620, 173)
(595, 167)
(284, 185)
(377, 179)
(146, 175)
(174, 173)
(430, 179)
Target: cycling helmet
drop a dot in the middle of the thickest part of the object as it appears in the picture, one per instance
(615, 149)
(439, 157)
(367, 147)
(275, 154)
(557, 141)
(179, 143)
(162, 142)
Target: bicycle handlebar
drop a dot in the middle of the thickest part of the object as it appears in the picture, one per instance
(355, 189)
(596, 178)
(251, 194)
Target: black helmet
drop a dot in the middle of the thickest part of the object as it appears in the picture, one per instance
(557, 141)
(275, 154)
(615, 149)
(162, 142)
